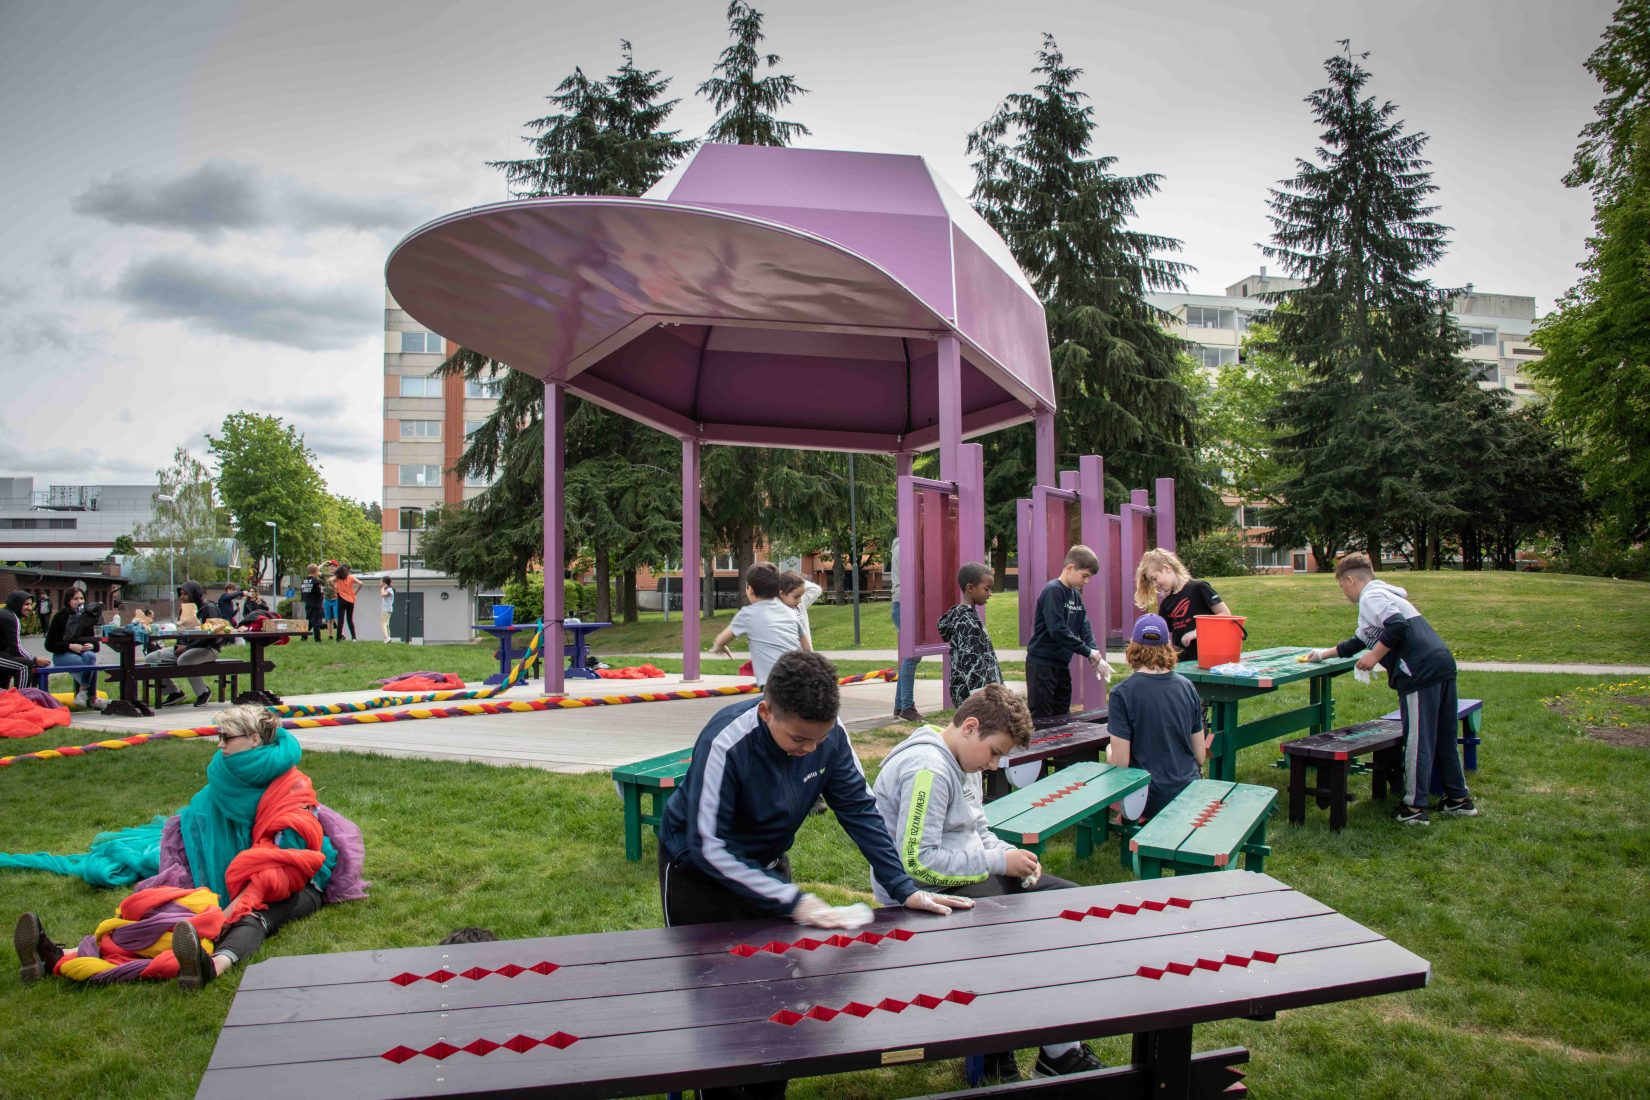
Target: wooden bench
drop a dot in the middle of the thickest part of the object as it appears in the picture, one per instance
(1206, 827)
(657, 778)
(1060, 745)
(1332, 753)
(1075, 796)
(227, 674)
(1470, 713)
(43, 675)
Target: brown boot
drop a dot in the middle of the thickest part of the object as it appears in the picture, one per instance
(37, 955)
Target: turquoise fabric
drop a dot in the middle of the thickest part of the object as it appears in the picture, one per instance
(217, 824)
(116, 859)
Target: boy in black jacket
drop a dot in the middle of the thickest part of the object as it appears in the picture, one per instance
(973, 657)
(1421, 669)
(1060, 631)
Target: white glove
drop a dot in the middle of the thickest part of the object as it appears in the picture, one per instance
(812, 911)
(925, 902)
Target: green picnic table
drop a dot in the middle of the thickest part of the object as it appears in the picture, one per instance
(1275, 667)
(655, 777)
(1076, 795)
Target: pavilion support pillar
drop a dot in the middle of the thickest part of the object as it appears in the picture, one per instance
(1043, 419)
(690, 553)
(555, 556)
(950, 407)
(1163, 510)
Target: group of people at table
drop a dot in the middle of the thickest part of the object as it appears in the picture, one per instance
(761, 766)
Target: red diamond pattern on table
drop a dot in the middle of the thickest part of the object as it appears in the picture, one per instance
(1208, 814)
(399, 1054)
(1059, 794)
(807, 943)
(1155, 973)
(439, 1050)
(856, 1008)
(1128, 910)
(476, 973)
(521, 1044)
(481, 1046)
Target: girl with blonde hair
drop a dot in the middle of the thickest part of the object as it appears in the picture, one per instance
(1163, 584)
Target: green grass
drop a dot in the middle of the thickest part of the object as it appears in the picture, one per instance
(1532, 617)
(1533, 915)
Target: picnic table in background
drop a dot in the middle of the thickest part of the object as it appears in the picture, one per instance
(507, 655)
(576, 648)
(648, 1011)
(1274, 668)
(131, 704)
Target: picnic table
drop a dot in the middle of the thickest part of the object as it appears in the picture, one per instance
(577, 650)
(1065, 743)
(623, 1013)
(1275, 667)
(131, 704)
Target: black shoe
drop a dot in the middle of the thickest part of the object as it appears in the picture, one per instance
(1080, 1060)
(37, 955)
(1458, 807)
(172, 697)
(195, 967)
(1411, 815)
(1000, 1069)
(910, 714)
(203, 698)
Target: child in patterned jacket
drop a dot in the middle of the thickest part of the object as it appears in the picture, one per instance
(973, 658)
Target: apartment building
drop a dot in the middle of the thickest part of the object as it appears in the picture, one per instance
(68, 526)
(425, 421)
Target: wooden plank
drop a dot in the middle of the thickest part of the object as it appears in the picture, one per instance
(1067, 796)
(1216, 844)
(1025, 941)
(718, 939)
(730, 1053)
(1022, 799)
(1162, 836)
(1346, 742)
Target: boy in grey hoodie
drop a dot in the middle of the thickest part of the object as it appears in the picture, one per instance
(930, 796)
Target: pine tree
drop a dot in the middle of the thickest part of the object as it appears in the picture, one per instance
(1355, 226)
(1596, 371)
(745, 103)
(1064, 214)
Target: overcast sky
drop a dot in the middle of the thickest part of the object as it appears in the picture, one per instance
(199, 196)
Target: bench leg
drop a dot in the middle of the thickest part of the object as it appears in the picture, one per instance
(1297, 790)
(1165, 1057)
(1338, 798)
(1471, 736)
(1147, 867)
(632, 822)
(1255, 849)
(1085, 837)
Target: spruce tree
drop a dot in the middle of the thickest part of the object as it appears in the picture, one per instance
(1355, 225)
(745, 103)
(1118, 375)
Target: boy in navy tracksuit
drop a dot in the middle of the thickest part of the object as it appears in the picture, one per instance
(1421, 669)
(1060, 631)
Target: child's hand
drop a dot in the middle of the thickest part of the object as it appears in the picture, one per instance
(925, 902)
(1189, 636)
(1019, 863)
(1367, 662)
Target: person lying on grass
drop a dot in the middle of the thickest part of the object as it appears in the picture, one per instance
(252, 851)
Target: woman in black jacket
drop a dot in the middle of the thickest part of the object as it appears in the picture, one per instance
(71, 639)
(192, 651)
(17, 664)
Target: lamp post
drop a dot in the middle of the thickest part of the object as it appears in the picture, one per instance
(171, 553)
(274, 561)
(406, 597)
(853, 541)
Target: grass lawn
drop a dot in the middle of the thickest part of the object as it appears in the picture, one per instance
(1535, 617)
(1534, 915)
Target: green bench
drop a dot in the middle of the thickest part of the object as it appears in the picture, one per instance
(1075, 796)
(656, 778)
(1206, 827)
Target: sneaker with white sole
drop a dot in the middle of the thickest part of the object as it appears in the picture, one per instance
(1081, 1060)
(1458, 807)
(1411, 815)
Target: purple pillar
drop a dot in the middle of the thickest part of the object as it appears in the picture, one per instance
(1043, 419)
(690, 554)
(950, 407)
(555, 556)
(1091, 521)
(902, 463)
(1163, 505)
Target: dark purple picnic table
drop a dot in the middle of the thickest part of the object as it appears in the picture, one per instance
(623, 1013)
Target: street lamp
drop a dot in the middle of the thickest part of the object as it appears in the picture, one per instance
(171, 553)
(406, 597)
(274, 561)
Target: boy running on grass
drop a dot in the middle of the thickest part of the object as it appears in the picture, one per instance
(929, 794)
(1421, 669)
(973, 657)
(1060, 631)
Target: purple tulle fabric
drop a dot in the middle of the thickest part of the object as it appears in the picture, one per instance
(346, 884)
(42, 699)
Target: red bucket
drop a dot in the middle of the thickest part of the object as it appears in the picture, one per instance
(1219, 639)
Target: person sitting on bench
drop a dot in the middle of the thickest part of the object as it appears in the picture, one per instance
(17, 664)
(1156, 719)
(193, 651)
(71, 639)
(929, 794)
(251, 852)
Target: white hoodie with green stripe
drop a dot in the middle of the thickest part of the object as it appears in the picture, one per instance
(934, 812)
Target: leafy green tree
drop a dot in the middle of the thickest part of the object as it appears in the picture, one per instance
(347, 534)
(745, 103)
(807, 505)
(1240, 444)
(1596, 371)
(1356, 226)
(266, 472)
(1064, 215)
(188, 536)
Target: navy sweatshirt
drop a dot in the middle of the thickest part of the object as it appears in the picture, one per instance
(744, 798)
(1416, 657)
(1060, 630)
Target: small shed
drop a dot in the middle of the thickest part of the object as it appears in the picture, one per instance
(442, 609)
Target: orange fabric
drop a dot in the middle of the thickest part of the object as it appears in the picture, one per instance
(632, 672)
(264, 873)
(347, 588)
(21, 718)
